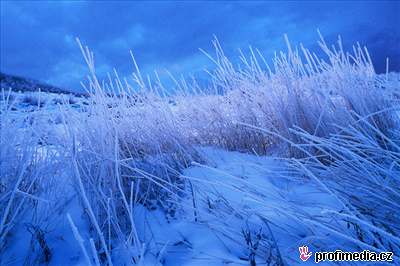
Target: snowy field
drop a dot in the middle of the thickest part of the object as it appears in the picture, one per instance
(302, 152)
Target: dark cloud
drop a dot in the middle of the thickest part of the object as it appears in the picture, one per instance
(38, 38)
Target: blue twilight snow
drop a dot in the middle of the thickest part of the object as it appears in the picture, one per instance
(37, 38)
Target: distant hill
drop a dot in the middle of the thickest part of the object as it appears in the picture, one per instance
(17, 83)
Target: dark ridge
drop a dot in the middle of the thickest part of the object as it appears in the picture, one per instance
(17, 83)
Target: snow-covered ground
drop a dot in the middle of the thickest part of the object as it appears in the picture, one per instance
(230, 192)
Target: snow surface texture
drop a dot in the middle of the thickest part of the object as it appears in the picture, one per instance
(244, 172)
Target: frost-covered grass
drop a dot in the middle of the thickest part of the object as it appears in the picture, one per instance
(343, 196)
(322, 164)
(29, 166)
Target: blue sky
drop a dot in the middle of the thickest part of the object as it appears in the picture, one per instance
(38, 38)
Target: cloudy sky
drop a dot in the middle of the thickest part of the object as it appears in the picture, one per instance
(38, 38)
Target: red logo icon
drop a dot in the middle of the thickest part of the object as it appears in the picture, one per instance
(304, 254)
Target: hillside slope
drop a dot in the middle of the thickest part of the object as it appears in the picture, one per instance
(17, 83)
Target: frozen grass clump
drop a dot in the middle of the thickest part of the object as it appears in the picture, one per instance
(125, 151)
(342, 194)
(362, 170)
(27, 170)
(131, 145)
(121, 160)
(334, 121)
(301, 90)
